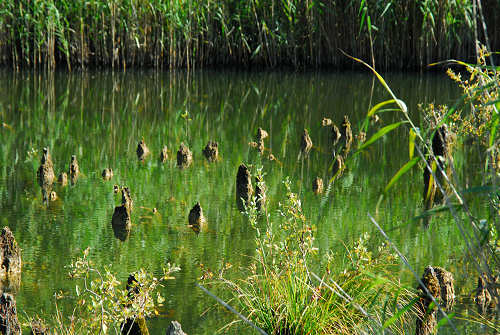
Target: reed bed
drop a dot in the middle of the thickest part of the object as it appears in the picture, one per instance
(262, 33)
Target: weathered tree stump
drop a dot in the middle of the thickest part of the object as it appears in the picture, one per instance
(63, 179)
(317, 185)
(426, 317)
(336, 134)
(346, 135)
(446, 283)
(244, 188)
(10, 255)
(164, 155)
(45, 174)
(211, 151)
(196, 217)
(484, 299)
(107, 174)
(74, 170)
(175, 329)
(142, 150)
(121, 220)
(338, 166)
(127, 198)
(9, 324)
(184, 156)
(53, 196)
(305, 143)
(326, 122)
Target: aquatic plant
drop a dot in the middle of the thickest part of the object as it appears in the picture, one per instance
(281, 293)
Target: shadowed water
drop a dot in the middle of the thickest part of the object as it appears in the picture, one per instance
(101, 116)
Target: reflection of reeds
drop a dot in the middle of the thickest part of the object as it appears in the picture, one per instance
(192, 34)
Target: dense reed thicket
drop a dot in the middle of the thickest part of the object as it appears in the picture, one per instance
(296, 33)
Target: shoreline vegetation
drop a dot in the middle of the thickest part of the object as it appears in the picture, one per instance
(121, 34)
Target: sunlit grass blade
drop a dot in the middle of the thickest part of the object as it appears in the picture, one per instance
(380, 134)
(389, 322)
(411, 143)
(405, 168)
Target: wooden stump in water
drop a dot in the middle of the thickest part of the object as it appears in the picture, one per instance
(107, 174)
(326, 122)
(338, 166)
(74, 170)
(305, 143)
(164, 155)
(484, 299)
(63, 179)
(121, 220)
(184, 156)
(446, 283)
(317, 185)
(196, 217)
(426, 319)
(9, 324)
(45, 174)
(10, 255)
(346, 135)
(175, 329)
(336, 134)
(211, 151)
(244, 188)
(142, 150)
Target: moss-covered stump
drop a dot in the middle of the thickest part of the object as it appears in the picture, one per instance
(142, 150)
(305, 142)
(135, 326)
(63, 179)
(164, 155)
(317, 185)
(107, 174)
(211, 151)
(184, 156)
(175, 329)
(196, 217)
(74, 170)
(9, 324)
(10, 255)
(426, 316)
(244, 188)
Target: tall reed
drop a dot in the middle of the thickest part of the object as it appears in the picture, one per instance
(270, 33)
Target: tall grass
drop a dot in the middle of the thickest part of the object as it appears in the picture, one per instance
(173, 34)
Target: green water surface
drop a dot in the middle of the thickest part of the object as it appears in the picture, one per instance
(101, 116)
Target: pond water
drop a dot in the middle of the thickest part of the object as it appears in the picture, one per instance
(101, 116)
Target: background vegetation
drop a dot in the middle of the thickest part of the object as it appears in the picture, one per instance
(296, 33)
